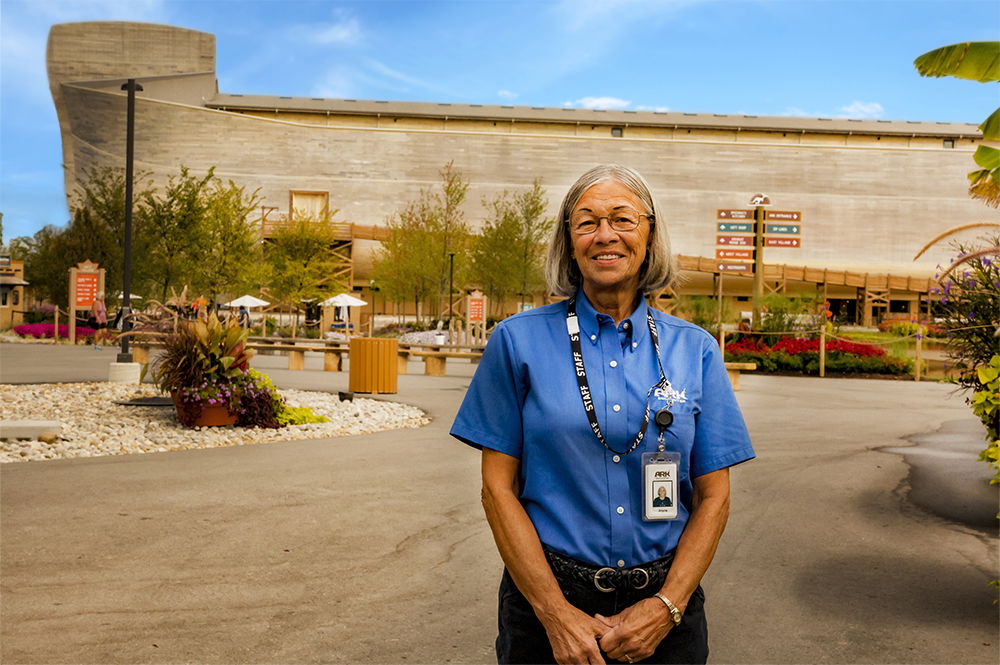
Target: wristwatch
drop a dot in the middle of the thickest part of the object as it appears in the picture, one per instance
(675, 614)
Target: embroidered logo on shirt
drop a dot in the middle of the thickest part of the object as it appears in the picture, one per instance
(669, 395)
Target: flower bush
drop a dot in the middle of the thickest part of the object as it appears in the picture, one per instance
(48, 331)
(968, 303)
(905, 327)
(793, 354)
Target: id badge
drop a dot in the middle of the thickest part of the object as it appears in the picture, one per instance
(660, 481)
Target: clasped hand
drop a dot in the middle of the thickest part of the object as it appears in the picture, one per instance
(636, 631)
(629, 636)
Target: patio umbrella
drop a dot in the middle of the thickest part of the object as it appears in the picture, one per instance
(343, 300)
(247, 301)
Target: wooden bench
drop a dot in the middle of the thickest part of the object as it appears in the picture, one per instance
(333, 356)
(435, 361)
(734, 369)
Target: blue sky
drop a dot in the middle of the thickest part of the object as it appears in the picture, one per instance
(849, 58)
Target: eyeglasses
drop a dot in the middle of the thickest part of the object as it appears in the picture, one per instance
(626, 219)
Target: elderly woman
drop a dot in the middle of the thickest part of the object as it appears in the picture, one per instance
(579, 407)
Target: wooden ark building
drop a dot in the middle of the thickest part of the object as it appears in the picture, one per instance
(871, 192)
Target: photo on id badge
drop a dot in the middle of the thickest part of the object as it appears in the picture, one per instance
(660, 486)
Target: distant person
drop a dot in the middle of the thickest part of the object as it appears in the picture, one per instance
(99, 317)
(243, 317)
(559, 407)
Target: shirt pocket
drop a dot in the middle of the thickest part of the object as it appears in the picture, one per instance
(679, 438)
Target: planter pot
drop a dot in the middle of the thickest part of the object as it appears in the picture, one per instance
(211, 415)
(215, 416)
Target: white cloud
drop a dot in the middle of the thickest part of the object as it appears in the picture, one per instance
(383, 76)
(335, 83)
(657, 109)
(799, 113)
(342, 33)
(608, 103)
(862, 110)
(506, 94)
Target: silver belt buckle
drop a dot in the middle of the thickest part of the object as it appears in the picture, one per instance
(597, 580)
(645, 582)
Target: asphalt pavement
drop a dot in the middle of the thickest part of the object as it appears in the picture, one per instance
(374, 548)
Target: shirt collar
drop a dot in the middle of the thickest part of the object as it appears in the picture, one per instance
(590, 329)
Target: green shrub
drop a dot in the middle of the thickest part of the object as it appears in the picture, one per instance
(300, 415)
(808, 363)
(906, 328)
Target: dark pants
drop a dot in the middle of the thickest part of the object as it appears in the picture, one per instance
(522, 637)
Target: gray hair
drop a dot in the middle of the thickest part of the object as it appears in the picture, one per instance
(658, 270)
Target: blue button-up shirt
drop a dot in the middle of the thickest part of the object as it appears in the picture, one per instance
(584, 500)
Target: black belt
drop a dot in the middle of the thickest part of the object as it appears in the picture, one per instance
(649, 575)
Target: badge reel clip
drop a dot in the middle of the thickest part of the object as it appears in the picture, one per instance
(660, 475)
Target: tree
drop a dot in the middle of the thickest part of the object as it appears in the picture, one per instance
(302, 261)
(230, 249)
(45, 264)
(401, 264)
(454, 232)
(969, 297)
(172, 235)
(413, 262)
(508, 255)
(976, 61)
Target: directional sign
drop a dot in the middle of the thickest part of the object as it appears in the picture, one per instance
(783, 215)
(734, 241)
(782, 228)
(734, 214)
(724, 266)
(734, 254)
(782, 242)
(86, 288)
(734, 227)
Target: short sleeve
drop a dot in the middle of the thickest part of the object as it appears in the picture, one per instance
(490, 415)
(721, 438)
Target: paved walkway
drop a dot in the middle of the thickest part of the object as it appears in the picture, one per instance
(373, 549)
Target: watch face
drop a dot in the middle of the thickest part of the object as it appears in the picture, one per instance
(676, 617)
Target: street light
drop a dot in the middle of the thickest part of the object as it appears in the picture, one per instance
(451, 280)
(125, 356)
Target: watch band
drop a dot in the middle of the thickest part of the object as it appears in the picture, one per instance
(675, 614)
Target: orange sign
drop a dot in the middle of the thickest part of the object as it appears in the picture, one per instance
(476, 310)
(734, 253)
(86, 288)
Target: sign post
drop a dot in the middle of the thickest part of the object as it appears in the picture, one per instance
(475, 310)
(86, 280)
(758, 261)
(734, 253)
(131, 87)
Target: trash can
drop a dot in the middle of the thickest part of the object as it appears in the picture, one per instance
(373, 365)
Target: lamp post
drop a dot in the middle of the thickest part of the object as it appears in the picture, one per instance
(451, 280)
(125, 356)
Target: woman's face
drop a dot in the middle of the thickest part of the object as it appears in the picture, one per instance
(662, 492)
(610, 260)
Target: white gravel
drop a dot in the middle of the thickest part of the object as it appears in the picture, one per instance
(93, 425)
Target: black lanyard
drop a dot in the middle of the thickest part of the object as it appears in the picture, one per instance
(573, 327)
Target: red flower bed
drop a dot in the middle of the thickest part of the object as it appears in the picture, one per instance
(793, 346)
(47, 331)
